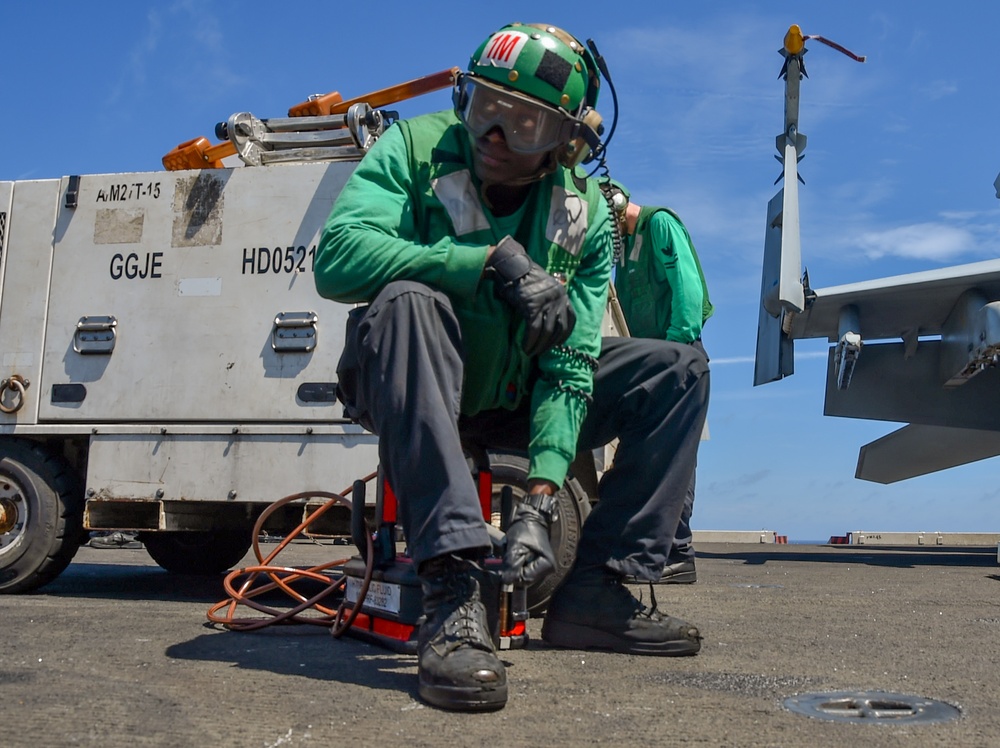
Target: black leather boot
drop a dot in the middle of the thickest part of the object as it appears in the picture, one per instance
(593, 609)
(458, 666)
(677, 571)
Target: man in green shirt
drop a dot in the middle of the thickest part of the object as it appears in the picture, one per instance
(663, 294)
(484, 261)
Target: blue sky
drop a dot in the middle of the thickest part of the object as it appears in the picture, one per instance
(902, 154)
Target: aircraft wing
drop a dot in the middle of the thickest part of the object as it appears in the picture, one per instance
(918, 450)
(920, 349)
(898, 306)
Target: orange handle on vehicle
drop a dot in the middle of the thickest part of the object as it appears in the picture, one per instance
(198, 153)
(324, 105)
(317, 106)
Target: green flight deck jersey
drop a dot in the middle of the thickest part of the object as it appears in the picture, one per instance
(659, 282)
(412, 210)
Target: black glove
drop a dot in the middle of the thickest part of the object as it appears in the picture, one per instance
(529, 556)
(536, 296)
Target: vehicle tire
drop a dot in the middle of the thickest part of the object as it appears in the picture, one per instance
(41, 516)
(574, 506)
(205, 552)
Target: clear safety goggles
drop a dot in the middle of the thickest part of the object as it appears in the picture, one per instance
(528, 125)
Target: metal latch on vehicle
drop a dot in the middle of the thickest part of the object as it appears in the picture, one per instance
(325, 138)
(95, 335)
(294, 332)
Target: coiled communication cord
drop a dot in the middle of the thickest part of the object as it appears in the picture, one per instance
(243, 586)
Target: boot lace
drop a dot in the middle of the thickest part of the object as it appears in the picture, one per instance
(463, 628)
(461, 612)
(640, 609)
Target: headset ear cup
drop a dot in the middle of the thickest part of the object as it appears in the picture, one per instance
(593, 120)
(581, 148)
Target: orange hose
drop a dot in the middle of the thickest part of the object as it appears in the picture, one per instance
(284, 578)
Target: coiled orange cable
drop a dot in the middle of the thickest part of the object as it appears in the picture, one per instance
(285, 578)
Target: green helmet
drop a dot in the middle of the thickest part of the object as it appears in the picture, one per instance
(541, 61)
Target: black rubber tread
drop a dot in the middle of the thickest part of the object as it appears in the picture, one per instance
(464, 698)
(576, 636)
(55, 523)
(512, 469)
(207, 552)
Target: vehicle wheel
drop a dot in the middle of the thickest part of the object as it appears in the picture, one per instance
(41, 516)
(206, 552)
(512, 470)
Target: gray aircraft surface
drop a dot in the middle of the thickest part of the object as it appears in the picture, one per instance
(920, 349)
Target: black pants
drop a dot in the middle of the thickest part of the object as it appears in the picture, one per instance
(683, 547)
(401, 376)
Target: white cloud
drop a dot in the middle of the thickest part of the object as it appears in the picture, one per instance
(134, 75)
(921, 241)
(750, 359)
(860, 194)
(959, 215)
(176, 42)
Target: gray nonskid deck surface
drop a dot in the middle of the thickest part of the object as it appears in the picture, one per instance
(118, 652)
